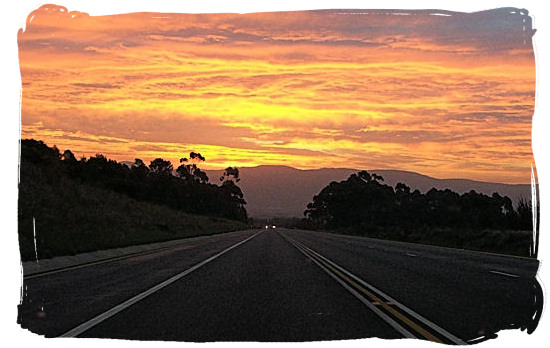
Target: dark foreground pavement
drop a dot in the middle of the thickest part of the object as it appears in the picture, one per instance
(286, 285)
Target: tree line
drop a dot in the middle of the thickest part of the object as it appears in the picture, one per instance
(187, 188)
(363, 201)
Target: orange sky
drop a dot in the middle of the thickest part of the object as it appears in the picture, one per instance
(443, 95)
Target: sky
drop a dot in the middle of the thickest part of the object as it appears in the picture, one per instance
(440, 93)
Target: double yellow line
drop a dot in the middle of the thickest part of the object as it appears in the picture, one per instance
(401, 318)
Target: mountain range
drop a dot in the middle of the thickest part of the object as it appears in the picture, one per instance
(280, 191)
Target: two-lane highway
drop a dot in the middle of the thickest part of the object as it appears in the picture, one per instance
(285, 285)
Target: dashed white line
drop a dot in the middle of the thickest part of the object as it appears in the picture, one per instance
(505, 274)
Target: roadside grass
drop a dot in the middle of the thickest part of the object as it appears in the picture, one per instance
(507, 242)
(71, 218)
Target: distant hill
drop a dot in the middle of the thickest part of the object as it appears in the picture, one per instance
(280, 191)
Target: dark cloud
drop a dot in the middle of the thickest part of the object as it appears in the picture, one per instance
(99, 140)
(492, 31)
(150, 147)
(58, 45)
(482, 117)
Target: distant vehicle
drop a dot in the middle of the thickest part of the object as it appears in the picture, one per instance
(273, 226)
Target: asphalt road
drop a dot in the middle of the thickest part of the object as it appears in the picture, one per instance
(286, 285)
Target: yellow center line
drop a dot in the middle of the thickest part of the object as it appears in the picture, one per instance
(398, 315)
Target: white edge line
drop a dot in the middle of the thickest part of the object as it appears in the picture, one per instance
(505, 274)
(371, 306)
(184, 242)
(397, 303)
(106, 315)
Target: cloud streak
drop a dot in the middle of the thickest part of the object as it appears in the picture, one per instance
(443, 95)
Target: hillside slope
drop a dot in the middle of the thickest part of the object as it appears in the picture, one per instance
(69, 217)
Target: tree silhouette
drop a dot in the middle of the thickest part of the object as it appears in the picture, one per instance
(160, 167)
(68, 156)
(140, 169)
(525, 214)
(364, 202)
(156, 183)
(189, 171)
(359, 200)
(230, 173)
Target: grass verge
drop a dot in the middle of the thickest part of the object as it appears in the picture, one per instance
(517, 243)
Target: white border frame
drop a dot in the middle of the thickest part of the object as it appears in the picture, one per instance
(14, 16)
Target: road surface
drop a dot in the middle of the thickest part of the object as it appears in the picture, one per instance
(286, 285)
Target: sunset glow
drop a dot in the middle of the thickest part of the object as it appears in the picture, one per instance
(446, 96)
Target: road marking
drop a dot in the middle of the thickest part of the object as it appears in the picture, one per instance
(367, 303)
(505, 274)
(363, 288)
(91, 263)
(388, 308)
(411, 255)
(106, 315)
(107, 260)
(387, 302)
(406, 309)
